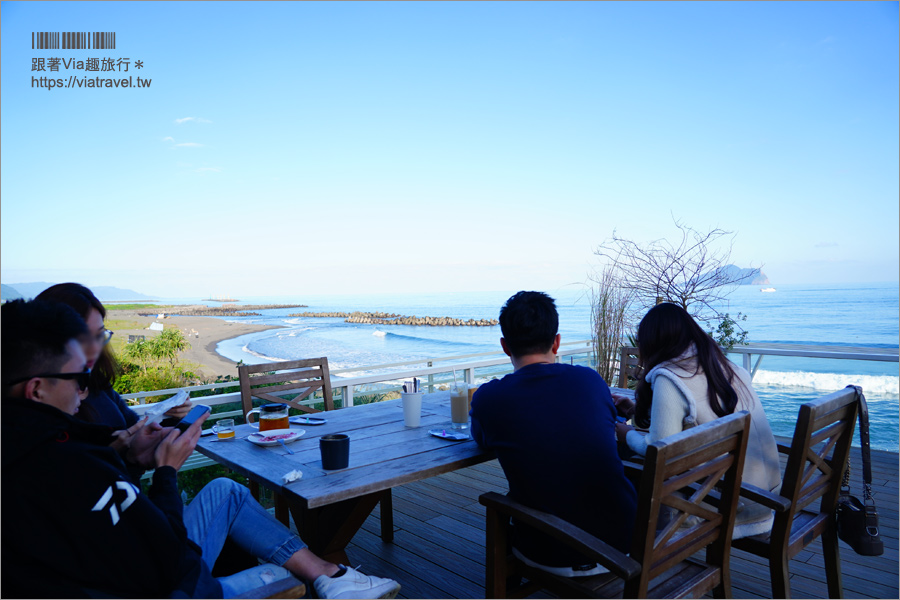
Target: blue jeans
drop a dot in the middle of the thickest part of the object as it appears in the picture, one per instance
(225, 509)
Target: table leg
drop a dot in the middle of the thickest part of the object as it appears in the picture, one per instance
(328, 530)
(387, 516)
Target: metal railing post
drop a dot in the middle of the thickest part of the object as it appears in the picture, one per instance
(470, 375)
(347, 393)
(430, 378)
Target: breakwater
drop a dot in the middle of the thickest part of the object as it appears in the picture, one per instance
(217, 311)
(381, 318)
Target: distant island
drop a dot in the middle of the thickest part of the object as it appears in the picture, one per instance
(744, 276)
(104, 293)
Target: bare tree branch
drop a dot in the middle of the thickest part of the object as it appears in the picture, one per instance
(690, 272)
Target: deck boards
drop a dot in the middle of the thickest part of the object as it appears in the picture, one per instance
(438, 548)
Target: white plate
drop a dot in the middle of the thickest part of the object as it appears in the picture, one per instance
(449, 434)
(259, 438)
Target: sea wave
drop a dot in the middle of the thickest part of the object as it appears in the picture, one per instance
(871, 384)
(433, 341)
(262, 356)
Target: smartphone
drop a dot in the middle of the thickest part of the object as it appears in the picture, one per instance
(198, 411)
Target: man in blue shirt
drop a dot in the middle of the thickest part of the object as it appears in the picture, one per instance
(552, 426)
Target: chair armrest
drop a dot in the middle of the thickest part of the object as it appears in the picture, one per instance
(632, 466)
(783, 449)
(765, 497)
(748, 491)
(578, 539)
(289, 587)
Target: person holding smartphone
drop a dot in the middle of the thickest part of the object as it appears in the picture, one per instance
(102, 404)
(75, 525)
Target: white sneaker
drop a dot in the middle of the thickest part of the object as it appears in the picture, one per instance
(354, 584)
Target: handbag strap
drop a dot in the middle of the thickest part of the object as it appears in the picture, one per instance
(864, 440)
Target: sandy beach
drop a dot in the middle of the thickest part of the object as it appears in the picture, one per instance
(203, 333)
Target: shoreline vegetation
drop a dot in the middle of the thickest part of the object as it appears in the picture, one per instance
(380, 318)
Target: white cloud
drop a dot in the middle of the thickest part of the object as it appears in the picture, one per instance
(827, 245)
(168, 139)
(187, 119)
(189, 145)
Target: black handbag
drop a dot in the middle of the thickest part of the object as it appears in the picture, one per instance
(857, 522)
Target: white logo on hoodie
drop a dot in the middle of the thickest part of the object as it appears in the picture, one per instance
(106, 500)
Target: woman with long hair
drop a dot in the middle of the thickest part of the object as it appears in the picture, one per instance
(686, 380)
(102, 405)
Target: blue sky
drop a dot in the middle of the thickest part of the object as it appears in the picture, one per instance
(374, 147)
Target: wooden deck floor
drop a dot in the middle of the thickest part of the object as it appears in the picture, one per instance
(438, 550)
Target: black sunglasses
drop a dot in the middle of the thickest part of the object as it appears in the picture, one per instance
(82, 378)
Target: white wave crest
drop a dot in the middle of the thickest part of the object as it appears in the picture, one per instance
(871, 384)
(263, 356)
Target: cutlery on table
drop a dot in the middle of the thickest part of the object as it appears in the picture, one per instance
(283, 445)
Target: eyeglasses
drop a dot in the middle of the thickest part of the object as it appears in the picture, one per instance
(101, 338)
(82, 378)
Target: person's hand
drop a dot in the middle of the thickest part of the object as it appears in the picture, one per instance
(122, 438)
(144, 443)
(181, 411)
(622, 430)
(624, 405)
(176, 447)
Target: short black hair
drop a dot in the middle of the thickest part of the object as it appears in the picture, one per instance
(34, 337)
(529, 323)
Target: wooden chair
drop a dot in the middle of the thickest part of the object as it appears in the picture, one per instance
(303, 377)
(817, 458)
(306, 376)
(628, 365)
(660, 564)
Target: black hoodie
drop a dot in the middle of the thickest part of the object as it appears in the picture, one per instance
(73, 523)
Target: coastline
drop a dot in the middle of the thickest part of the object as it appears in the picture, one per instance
(203, 334)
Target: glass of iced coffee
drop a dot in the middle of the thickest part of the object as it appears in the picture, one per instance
(459, 405)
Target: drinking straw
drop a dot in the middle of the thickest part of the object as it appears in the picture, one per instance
(454, 379)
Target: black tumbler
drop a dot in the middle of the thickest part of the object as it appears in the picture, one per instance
(335, 450)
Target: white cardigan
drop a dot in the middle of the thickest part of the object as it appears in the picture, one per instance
(680, 398)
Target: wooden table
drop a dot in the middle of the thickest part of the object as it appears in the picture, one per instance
(329, 507)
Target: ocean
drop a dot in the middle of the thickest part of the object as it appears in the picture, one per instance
(844, 315)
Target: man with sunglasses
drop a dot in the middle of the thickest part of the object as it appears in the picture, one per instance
(75, 525)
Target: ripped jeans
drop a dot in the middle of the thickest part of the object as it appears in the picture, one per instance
(225, 509)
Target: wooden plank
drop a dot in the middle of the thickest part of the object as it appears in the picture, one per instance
(446, 580)
(457, 545)
(283, 376)
(412, 585)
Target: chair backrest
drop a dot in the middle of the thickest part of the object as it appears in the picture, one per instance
(307, 376)
(679, 473)
(628, 365)
(818, 455)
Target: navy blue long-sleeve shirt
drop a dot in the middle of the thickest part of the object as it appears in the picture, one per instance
(553, 429)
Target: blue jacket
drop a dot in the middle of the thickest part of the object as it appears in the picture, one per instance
(553, 429)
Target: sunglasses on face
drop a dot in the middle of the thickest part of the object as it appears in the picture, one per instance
(81, 379)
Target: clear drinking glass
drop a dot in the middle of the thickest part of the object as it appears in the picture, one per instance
(459, 406)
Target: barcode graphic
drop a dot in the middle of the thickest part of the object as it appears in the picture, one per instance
(73, 40)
